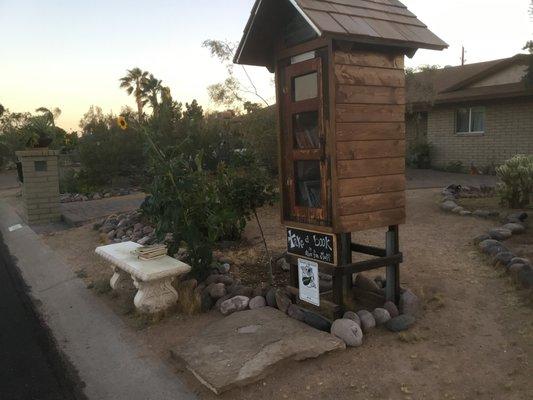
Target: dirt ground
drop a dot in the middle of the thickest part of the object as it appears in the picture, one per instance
(474, 339)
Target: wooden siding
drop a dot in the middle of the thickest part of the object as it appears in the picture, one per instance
(369, 140)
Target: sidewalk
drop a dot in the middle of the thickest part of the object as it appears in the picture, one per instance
(104, 351)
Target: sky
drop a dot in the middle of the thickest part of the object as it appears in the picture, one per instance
(71, 53)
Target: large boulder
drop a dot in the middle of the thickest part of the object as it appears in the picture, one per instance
(400, 323)
(296, 313)
(348, 331)
(237, 303)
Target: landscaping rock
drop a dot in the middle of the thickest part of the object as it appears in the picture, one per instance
(458, 210)
(503, 258)
(519, 260)
(517, 217)
(400, 323)
(481, 213)
(224, 268)
(213, 278)
(448, 205)
(221, 300)
(480, 238)
(237, 303)
(381, 316)
(316, 321)
(392, 309)
(226, 280)
(241, 290)
(381, 281)
(500, 234)
(271, 297)
(367, 320)
(348, 331)
(257, 302)
(465, 213)
(362, 282)
(409, 303)
(491, 246)
(296, 313)
(284, 265)
(216, 290)
(111, 234)
(353, 316)
(516, 229)
(282, 300)
(260, 290)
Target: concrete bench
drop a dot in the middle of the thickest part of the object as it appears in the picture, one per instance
(152, 278)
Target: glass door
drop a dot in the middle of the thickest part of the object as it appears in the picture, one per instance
(304, 142)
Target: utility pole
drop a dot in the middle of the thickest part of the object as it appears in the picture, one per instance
(463, 60)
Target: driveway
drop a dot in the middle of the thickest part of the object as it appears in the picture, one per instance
(431, 179)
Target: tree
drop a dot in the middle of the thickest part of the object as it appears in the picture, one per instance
(151, 89)
(2, 110)
(231, 91)
(528, 77)
(133, 83)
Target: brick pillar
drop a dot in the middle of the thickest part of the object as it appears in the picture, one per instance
(40, 190)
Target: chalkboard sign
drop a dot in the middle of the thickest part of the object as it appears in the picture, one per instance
(312, 245)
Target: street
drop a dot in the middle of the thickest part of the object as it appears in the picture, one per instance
(30, 365)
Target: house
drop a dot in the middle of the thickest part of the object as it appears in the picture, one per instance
(478, 115)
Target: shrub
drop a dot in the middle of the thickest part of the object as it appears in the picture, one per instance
(108, 153)
(516, 175)
(203, 190)
(419, 155)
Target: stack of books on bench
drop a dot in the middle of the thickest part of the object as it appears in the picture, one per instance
(151, 252)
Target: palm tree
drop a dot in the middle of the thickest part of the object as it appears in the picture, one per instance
(133, 83)
(151, 88)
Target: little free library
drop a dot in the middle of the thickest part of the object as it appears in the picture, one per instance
(340, 88)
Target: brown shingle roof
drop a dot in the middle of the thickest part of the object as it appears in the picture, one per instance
(450, 84)
(381, 22)
(377, 19)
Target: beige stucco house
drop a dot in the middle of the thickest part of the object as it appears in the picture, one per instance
(477, 114)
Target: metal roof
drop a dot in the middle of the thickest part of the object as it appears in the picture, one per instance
(386, 22)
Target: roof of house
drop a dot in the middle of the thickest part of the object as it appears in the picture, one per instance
(454, 84)
(384, 22)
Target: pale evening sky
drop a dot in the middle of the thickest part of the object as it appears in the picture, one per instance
(71, 53)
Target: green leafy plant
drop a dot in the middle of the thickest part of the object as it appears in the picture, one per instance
(203, 190)
(516, 175)
(419, 155)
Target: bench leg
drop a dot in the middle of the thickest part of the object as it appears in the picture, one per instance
(155, 296)
(118, 278)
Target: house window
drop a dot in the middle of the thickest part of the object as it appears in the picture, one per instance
(470, 120)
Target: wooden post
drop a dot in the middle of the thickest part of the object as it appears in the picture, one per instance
(393, 271)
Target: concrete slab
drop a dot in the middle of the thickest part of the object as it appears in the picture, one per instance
(247, 345)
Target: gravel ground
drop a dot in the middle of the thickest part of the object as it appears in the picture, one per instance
(473, 340)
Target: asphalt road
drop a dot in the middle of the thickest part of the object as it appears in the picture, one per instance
(31, 368)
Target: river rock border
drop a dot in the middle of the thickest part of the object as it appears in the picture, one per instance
(492, 245)
(223, 292)
(77, 197)
(452, 193)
